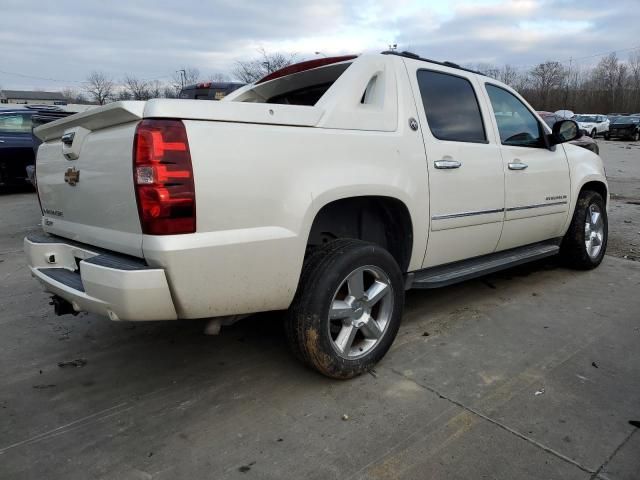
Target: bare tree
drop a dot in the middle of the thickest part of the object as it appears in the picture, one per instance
(72, 95)
(251, 70)
(509, 75)
(99, 87)
(488, 69)
(545, 78)
(137, 88)
(219, 77)
(634, 80)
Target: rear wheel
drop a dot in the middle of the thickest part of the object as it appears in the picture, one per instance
(607, 136)
(635, 136)
(347, 310)
(585, 243)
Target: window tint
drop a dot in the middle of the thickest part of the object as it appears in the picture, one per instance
(516, 124)
(15, 123)
(451, 107)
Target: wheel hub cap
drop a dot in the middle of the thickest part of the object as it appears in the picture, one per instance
(593, 231)
(360, 311)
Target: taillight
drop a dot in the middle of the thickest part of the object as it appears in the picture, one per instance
(163, 178)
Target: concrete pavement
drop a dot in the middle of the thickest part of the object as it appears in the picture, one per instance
(532, 373)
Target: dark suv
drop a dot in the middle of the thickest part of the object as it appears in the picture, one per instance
(624, 127)
(17, 152)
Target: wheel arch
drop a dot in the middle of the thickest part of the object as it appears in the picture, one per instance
(597, 186)
(381, 219)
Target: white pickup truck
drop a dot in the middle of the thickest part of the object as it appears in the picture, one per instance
(327, 189)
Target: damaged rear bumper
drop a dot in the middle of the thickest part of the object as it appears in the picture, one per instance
(98, 281)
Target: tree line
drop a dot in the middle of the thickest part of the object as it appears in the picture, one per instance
(610, 86)
(100, 88)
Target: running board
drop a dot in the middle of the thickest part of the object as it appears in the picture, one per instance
(451, 273)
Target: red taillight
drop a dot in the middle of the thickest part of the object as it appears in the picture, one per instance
(163, 178)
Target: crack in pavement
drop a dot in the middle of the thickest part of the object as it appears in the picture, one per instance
(597, 473)
(512, 431)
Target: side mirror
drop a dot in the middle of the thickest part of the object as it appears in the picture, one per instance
(564, 131)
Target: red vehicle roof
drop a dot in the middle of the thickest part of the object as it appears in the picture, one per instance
(307, 65)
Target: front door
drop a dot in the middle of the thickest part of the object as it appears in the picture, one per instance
(466, 178)
(537, 185)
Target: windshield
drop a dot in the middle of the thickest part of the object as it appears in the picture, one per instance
(627, 120)
(585, 118)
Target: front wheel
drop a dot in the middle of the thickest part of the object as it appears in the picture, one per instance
(635, 136)
(607, 136)
(593, 133)
(347, 309)
(585, 243)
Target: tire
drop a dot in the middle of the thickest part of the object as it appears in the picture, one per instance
(588, 230)
(361, 332)
(607, 136)
(593, 133)
(636, 136)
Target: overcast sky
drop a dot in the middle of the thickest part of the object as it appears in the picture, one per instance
(64, 40)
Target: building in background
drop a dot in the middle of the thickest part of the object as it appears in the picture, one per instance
(28, 97)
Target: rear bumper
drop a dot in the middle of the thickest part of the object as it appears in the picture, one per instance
(97, 281)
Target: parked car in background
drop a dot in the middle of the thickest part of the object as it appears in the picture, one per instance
(209, 90)
(624, 127)
(584, 141)
(565, 114)
(17, 151)
(593, 124)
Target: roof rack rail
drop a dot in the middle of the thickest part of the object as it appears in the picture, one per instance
(418, 57)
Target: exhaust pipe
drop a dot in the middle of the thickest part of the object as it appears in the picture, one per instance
(61, 306)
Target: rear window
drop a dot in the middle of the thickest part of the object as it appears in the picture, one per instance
(300, 88)
(451, 107)
(15, 123)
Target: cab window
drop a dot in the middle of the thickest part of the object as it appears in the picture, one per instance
(451, 107)
(516, 124)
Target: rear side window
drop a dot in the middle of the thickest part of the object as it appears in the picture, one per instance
(451, 106)
(15, 123)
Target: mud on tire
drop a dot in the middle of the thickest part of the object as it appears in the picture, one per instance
(364, 319)
(589, 222)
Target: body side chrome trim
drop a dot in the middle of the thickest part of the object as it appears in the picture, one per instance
(537, 205)
(466, 214)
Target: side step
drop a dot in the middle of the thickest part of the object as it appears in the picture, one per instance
(455, 272)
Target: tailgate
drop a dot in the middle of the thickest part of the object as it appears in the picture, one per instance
(85, 182)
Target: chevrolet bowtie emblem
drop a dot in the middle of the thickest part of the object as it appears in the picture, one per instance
(72, 176)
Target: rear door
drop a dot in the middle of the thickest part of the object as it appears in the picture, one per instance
(466, 178)
(537, 186)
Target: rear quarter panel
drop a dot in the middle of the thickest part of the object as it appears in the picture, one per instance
(258, 189)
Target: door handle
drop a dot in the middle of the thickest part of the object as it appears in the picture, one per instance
(1, 141)
(517, 165)
(447, 164)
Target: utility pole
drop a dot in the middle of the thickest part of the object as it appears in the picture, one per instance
(566, 94)
(183, 77)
